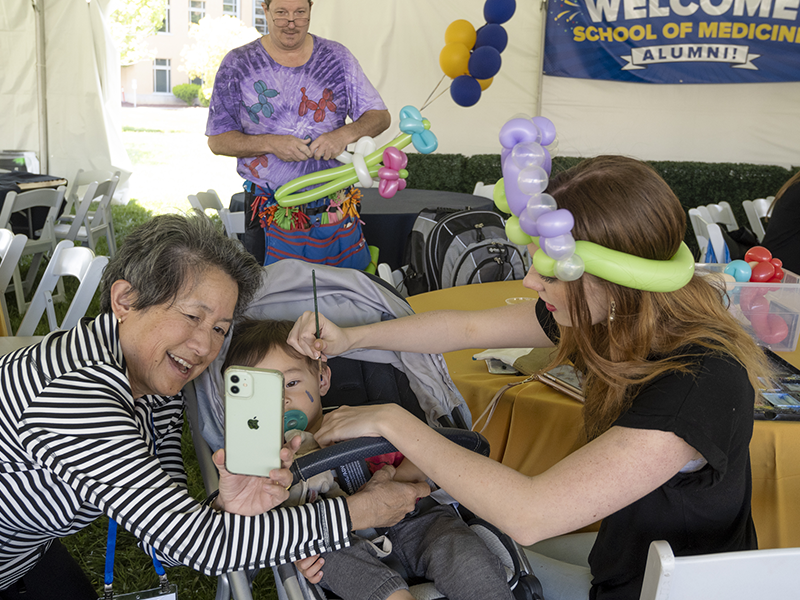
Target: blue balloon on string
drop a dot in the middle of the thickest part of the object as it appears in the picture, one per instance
(492, 35)
(465, 90)
(484, 63)
(499, 11)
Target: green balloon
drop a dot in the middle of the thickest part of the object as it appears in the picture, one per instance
(625, 269)
(499, 196)
(515, 234)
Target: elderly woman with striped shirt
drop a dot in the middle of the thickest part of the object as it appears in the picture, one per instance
(91, 420)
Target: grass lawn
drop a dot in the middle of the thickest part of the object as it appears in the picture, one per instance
(170, 161)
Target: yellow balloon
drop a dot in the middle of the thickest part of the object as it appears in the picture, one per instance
(460, 31)
(485, 83)
(515, 234)
(454, 59)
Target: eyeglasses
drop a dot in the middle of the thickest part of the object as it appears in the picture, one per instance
(298, 22)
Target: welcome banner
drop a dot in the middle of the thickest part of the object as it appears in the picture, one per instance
(674, 41)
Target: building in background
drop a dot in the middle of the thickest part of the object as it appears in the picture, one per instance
(151, 82)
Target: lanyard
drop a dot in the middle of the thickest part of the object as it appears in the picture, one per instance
(111, 545)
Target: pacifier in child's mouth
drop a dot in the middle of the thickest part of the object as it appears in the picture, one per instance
(295, 419)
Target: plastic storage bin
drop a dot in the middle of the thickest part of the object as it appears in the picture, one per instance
(770, 312)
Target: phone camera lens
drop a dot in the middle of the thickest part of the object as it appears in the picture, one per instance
(234, 389)
(235, 378)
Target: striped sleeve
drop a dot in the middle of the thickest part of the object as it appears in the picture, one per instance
(84, 427)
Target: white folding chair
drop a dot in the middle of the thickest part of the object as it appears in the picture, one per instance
(233, 222)
(76, 189)
(707, 232)
(11, 248)
(87, 226)
(723, 213)
(67, 260)
(756, 210)
(762, 574)
(487, 191)
(38, 247)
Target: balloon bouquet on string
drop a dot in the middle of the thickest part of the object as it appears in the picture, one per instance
(470, 57)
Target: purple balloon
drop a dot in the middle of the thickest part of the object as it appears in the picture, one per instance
(558, 247)
(517, 200)
(528, 224)
(556, 223)
(541, 204)
(547, 128)
(504, 154)
(519, 130)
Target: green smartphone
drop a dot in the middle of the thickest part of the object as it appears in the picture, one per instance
(253, 420)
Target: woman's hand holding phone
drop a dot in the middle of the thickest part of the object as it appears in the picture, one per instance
(249, 495)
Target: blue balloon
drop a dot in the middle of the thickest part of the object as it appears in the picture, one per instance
(492, 35)
(499, 11)
(484, 63)
(465, 90)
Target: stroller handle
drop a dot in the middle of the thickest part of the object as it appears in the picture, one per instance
(358, 449)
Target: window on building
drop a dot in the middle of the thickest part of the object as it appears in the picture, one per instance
(259, 18)
(197, 10)
(165, 26)
(197, 81)
(230, 7)
(162, 83)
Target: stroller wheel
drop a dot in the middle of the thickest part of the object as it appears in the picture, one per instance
(528, 588)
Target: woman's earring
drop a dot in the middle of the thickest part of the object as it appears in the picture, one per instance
(612, 311)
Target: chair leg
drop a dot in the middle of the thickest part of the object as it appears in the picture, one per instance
(18, 293)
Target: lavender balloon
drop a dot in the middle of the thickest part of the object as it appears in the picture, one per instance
(516, 198)
(528, 223)
(547, 128)
(547, 164)
(555, 223)
(533, 180)
(519, 130)
(559, 247)
(540, 204)
(528, 154)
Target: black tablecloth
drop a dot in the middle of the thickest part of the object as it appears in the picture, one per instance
(387, 222)
(21, 222)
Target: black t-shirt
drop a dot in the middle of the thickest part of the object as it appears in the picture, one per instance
(783, 230)
(697, 513)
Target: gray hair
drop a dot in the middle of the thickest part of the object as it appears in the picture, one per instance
(168, 252)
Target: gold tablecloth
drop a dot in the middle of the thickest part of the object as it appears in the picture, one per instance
(535, 426)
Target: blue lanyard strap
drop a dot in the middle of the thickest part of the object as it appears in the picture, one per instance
(111, 544)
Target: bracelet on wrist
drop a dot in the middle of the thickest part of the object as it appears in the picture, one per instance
(210, 499)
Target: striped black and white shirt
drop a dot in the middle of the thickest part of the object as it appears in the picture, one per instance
(75, 444)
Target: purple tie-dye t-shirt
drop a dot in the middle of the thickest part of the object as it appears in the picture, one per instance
(254, 94)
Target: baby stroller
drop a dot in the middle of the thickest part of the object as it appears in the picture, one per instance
(419, 382)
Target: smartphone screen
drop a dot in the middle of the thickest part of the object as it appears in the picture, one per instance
(253, 420)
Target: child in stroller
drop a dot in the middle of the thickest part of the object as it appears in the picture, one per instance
(420, 383)
(436, 544)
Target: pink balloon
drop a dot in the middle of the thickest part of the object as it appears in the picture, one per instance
(555, 223)
(394, 158)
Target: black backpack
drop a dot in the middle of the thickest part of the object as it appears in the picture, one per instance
(449, 247)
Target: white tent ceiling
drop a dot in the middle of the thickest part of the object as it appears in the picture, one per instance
(398, 43)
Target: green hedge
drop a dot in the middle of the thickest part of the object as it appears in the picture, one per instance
(694, 183)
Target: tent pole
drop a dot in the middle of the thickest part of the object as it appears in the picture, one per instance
(41, 81)
(540, 66)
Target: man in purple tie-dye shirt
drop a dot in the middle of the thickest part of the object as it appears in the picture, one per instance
(279, 105)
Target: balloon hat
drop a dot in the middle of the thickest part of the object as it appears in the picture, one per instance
(536, 218)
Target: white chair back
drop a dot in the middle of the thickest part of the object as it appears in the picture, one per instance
(756, 210)
(46, 242)
(67, 260)
(762, 574)
(11, 248)
(723, 213)
(233, 222)
(707, 232)
(69, 231)
(487, 191)
(76, 188)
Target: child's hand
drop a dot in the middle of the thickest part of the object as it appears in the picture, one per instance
(311, 568)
